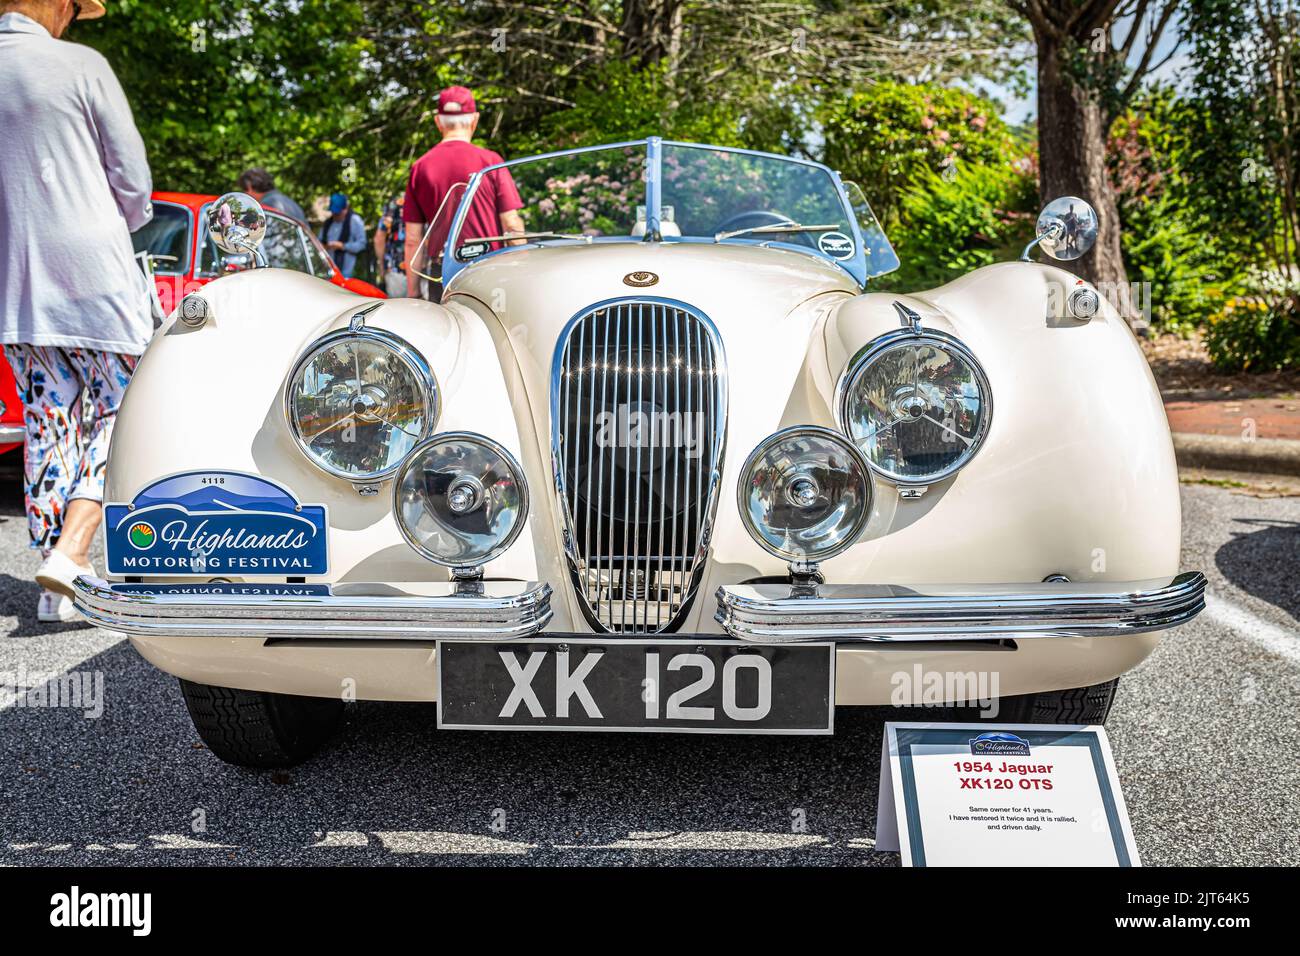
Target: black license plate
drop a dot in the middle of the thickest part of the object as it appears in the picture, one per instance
(677, 686)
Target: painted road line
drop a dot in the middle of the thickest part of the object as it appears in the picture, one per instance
(1274, 639)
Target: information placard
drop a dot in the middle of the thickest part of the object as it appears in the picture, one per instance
(1002, 795)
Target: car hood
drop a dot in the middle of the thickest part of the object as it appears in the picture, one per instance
(744, 289)
(765, 303)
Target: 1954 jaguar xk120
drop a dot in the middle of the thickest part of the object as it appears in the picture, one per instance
(661, 463)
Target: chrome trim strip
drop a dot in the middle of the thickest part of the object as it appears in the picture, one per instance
(911, 336)
(492, 611)
(16, 434)
(769, 613)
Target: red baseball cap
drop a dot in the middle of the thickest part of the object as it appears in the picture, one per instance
(456, 101)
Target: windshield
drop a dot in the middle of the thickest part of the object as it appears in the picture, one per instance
(711, 191)
(166, 237)
(596, 193)
(283, 248)
(698, 194)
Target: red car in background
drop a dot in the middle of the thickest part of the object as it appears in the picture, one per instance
(183, 258)
(12, 431)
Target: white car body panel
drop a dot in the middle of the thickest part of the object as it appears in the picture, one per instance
(1076, 477)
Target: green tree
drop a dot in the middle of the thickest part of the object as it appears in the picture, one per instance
(886, 135)
(219, 86)
(762, 62)
(1092, 58)
(1245, 159)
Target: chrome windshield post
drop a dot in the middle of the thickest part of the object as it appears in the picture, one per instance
(653, 189)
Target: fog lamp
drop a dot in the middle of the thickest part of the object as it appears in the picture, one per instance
(460, 499)
(805, 494)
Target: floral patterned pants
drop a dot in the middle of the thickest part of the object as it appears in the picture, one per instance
(70, 399)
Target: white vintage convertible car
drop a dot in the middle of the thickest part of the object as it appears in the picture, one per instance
(664, 462)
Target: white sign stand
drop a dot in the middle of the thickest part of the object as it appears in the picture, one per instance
(1001, 795)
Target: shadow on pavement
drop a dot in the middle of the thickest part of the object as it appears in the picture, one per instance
(1262, 561)
(18, 597)
(390, 789)
(12, 502)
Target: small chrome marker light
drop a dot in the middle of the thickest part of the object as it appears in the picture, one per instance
(460, 500)
(1083, 303)
(805, 495)
(194, 311)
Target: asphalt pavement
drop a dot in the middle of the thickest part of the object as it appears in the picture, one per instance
(1205, 735)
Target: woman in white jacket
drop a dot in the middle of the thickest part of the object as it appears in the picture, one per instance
(74, 306)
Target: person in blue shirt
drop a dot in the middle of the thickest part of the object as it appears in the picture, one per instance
(390, 248)
(344, 234)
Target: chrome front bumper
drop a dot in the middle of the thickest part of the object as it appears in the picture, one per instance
(494, 611)
(774, 614)
(763, 613)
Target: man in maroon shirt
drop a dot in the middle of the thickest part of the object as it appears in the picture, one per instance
(494, 210)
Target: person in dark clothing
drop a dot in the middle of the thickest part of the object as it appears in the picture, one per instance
(344, 234)
(259, 184)
(390, 248)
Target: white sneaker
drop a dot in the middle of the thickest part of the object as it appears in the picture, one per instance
(56, 609)
(59, 571)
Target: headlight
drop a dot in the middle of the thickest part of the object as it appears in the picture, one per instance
(460, 499)
(358, 401)
(805, 494)
(918, 406)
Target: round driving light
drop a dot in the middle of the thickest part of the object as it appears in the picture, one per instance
(805, 494)
(917, 405)
(358, 401)
(460, 499)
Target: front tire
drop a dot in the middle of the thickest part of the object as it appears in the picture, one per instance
(1078, 705)
(259, 729)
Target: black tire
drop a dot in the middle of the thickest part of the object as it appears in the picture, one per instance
(1079, 705)
(258, 729)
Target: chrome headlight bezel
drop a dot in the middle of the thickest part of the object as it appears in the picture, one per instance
(406, 353)
(871, 353)
(856, 530)
(512, 463)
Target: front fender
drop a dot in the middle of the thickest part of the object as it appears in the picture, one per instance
(213, 398)
(1077, 473)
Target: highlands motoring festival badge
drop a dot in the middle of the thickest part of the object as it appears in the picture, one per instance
(215, 523)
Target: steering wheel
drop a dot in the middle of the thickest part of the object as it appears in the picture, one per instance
(763, 217)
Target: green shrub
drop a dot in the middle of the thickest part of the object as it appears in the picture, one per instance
(1170, 240)
(1258, 331)
(884, 136)
(1250, 336)
(958, 221)
(1190, 278)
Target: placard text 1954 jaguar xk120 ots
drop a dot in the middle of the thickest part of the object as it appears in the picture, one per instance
(663, 462)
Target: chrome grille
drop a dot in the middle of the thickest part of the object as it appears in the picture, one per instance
(638, 409)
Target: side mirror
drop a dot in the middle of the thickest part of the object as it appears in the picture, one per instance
(237, 225)
(1067, 228)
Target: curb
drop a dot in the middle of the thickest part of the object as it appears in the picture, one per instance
(1270, 456)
